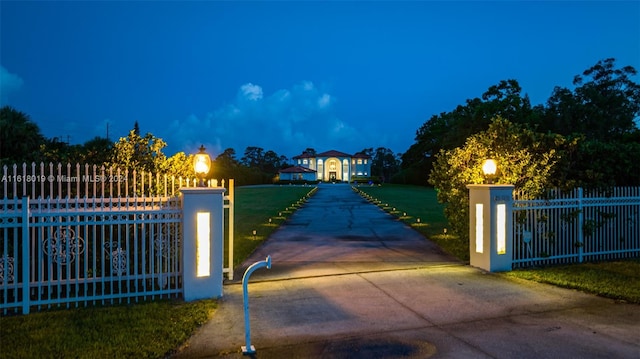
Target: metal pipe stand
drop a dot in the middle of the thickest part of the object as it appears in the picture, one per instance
(249, 349)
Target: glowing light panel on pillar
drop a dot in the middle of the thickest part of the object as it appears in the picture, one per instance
(203, 233)
(501, 228)
(479, 228)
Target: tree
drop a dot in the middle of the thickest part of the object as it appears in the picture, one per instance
(54, 150)
(144, 154)
(226, 165)
(601, 112)
(449, 130)
(415, 165)
(271, 162)
(384, 164)
(97, 150)
(604, 106)
(613, 99)
(309, 151)
(260, 166)
(367, 152)
(526, 159)
(20, 138)
(227, 159)
(253, 157)
(139, 153)
(602, 164)
(179, 165)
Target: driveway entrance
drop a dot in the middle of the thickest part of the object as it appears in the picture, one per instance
(338, 231)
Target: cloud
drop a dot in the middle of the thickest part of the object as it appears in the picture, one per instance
(324, 101)
(286, 121)
(9, 83)
(251, 92)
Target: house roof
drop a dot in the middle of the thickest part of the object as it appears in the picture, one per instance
(297, 169)
(304, 155)
(332, 153)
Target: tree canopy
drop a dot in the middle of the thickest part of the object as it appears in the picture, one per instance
(585, 137)
(20, 137)
(604, 106)
(602, 111)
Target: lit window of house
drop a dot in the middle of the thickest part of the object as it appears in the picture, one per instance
(305, 161)
(359, 161)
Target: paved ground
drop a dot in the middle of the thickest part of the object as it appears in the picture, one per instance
(349, 281)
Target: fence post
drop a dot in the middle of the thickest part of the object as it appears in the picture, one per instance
(203, 242)
(232, 205)
(580, 225)
(26, 275)
(490, 226)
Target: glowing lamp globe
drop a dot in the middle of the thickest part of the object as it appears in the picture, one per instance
(489, 168)
(201, 165)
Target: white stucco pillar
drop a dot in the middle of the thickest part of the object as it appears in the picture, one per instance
(490, 226)
(203, 244)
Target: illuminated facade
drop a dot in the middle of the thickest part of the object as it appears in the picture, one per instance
(328, 166)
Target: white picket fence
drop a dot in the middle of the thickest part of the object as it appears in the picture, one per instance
(83, 235)
(576, 226)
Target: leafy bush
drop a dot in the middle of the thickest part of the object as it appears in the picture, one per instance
(525, 159)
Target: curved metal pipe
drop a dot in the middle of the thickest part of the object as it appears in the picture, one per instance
(248, 348)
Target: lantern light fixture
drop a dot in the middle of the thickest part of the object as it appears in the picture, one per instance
(201, 165)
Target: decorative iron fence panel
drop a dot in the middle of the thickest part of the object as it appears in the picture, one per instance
(576, 226)
(77, 252)
(77, 235)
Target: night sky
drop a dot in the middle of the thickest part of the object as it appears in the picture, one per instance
(285, 76)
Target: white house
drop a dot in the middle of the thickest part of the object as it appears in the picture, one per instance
(328, 166)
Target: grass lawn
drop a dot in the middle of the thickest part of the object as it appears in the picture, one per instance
(419, 208)
(144, 330)
(617, 280)
(148, 330)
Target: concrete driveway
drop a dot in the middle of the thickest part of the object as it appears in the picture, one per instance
(350, 281)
